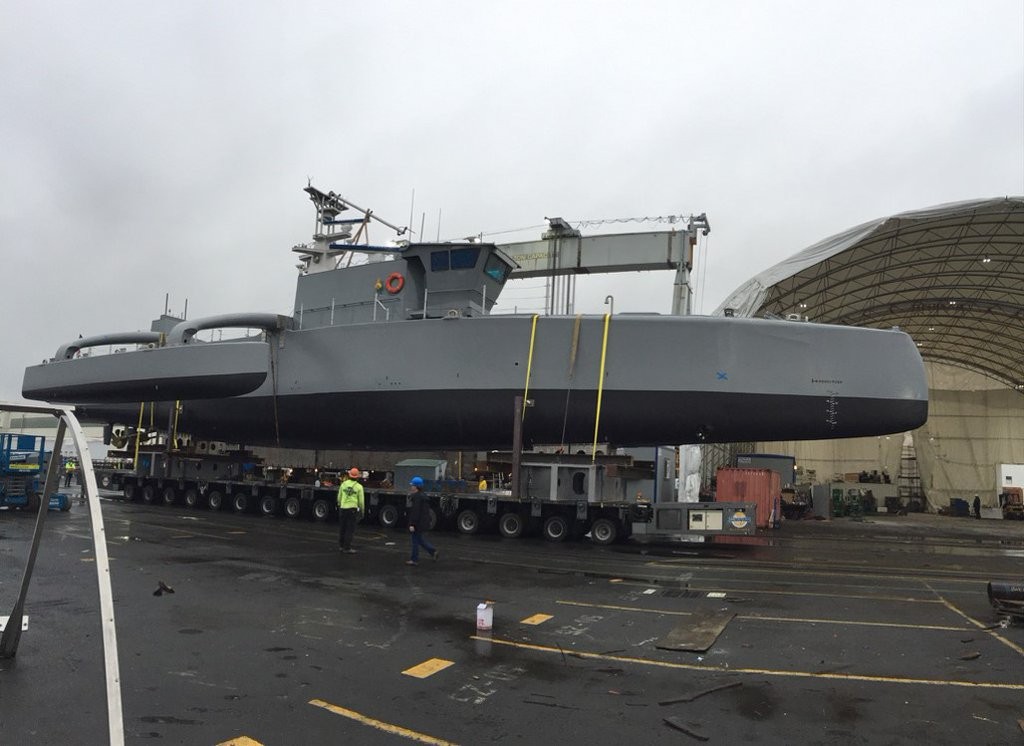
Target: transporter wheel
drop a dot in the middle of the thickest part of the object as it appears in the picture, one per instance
(149, 494)
(268, 505)
(240, 502)
(321, 510)
(293, 507)
(191, 497)
(131, 492)
(169, 495)
(431, 519)
(604, 531)
(468, 521)
(388, 516)
(556, 528)
(511, 525)
(33, 502)
(215, 500)
(105, 481)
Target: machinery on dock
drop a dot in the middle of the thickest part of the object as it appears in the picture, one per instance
(607, 498)
(1011, 500)
(22, 468)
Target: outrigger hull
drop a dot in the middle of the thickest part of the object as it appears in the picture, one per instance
(637, 380)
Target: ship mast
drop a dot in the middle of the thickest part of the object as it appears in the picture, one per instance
(333, 239)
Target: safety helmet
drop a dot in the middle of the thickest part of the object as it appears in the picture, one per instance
(354, 473)
(417, 482)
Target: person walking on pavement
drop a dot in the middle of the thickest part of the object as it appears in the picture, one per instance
(350, 509)
(69, 471)
(977, 507)
(419, 521)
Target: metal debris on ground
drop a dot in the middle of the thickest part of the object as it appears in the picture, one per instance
(674, 723)
(162, 588)
(694, 695)
(698, 634)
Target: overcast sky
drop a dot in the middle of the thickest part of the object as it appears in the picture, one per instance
(154, 148)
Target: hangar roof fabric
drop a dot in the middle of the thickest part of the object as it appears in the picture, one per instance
(952, 276)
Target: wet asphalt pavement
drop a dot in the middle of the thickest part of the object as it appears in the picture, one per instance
(876, 631)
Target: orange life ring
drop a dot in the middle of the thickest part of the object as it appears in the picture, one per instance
(394, 283)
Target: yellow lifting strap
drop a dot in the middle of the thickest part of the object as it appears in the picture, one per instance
(574, 347)
(174, 433)
(529, 362)
(600, 385)
(138, 437)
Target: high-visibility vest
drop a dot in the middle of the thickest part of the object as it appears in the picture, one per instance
(350, 495)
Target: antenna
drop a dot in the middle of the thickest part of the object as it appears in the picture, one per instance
(412, 204)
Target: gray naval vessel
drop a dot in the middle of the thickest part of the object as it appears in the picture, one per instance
(397, 347)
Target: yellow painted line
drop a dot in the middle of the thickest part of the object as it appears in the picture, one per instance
(758, 671)
(756, 617)
(240, 741)
(1012, 645)
(236, 532)
(428, 668)
(844, 569)
(934, 627)
(864, 596)
(380, 724)
(612, 607)
(536, 619)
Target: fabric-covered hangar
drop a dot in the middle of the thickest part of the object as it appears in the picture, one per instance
(952, 276)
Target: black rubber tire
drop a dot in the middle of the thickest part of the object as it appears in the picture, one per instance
(33, 502)
(388, 516)
(293, 507)
(131, 492)
(556, 528)
(169, 495)
(240, 502)
(149, 494)
(105, 481)
(468, 521)
(431, 519)
(215, 500)
(511, 525)
(604, 531)
(269, 505)
(191, 497)
(321, 510)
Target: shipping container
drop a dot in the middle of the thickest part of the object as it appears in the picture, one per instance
(760, 486)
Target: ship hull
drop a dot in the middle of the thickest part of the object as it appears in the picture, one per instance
(639, 380)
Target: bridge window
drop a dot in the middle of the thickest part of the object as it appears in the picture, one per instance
(465, 258)
(497, 269)
(439, 261)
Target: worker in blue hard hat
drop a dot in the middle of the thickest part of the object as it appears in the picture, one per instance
(419, 521)
(350, 509)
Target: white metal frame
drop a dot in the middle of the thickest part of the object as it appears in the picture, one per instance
(67, 422)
